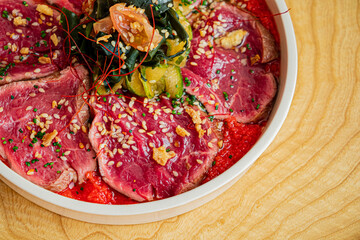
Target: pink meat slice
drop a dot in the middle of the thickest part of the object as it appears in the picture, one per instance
(226, 81)
(27, 51)
(29, 107)
(124, 133)
(73, 5)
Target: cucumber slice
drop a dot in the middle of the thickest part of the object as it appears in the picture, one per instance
(174, 81)
(135, 84)
(174, 46)
(183, 20)
(153, 80)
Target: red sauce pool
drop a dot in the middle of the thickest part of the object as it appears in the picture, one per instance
(95, 190)
(238, 138)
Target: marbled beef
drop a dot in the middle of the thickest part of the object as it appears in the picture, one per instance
(126, 135)
(43, 129)
(31, 41)
(231, 81)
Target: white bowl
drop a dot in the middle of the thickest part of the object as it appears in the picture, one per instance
(173, 206)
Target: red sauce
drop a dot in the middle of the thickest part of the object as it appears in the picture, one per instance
(95, 190)
(238, 140)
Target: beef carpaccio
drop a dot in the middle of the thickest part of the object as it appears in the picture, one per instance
(102, 106)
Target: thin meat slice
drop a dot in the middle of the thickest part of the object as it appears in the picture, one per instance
(127, 133)
(226, 18)
(31, 41)
(43, 129)
(231, 80)
(244, 92)
(73, 5)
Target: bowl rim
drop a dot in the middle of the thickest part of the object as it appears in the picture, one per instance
(274, 125)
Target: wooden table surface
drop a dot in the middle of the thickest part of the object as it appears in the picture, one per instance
(307, 183)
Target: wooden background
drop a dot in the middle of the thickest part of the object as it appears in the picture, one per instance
(305, 186)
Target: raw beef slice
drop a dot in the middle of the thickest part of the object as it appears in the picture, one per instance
(146, 152)
(31, 41)
(43, 125)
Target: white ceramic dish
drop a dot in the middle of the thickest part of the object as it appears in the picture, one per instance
(162, 209)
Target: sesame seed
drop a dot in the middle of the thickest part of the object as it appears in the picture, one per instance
(110, 163)
(175, 173)
(199, 161)
(63, 158)
(41, 90)
(37, 70)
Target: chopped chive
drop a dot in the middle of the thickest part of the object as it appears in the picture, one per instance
(59, 106)
(35, 109)
(27, 164)
(230, 156)
(257, 106)
(226, 96)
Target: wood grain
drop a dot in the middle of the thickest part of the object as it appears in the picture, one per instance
(305, 186)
